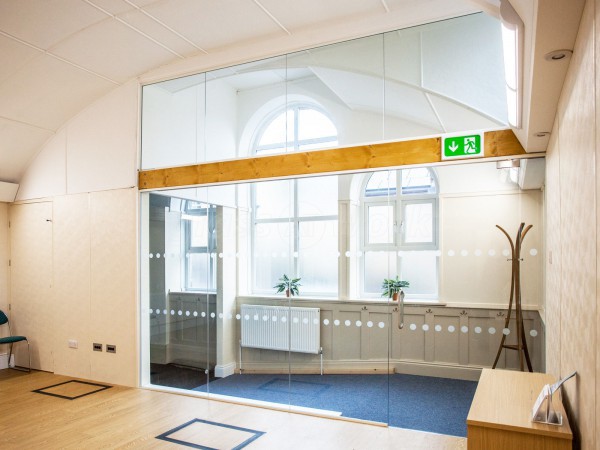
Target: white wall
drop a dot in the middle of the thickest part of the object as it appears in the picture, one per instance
(95, 151)
(474, 253)
(473, 260)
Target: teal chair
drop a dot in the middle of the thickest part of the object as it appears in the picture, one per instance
(11, 340)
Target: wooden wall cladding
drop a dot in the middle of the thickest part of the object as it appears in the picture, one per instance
(440, 340)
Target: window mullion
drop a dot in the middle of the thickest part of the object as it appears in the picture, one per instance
(296, 230)
(296, 117)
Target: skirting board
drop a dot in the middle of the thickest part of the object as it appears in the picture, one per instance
(222, 371)
(470, 373)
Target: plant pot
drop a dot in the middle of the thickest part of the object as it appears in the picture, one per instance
(395, 296)
(287, 293)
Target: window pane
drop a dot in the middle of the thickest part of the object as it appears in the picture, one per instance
(318, 196)
(380, 224)
(272, 255)
(273, 199)
(417, 181)
(420, 269)
(198, 271)
(381, 184)
(318, 257)
(314, 124)
(378, 265)
(275, 132)
(199, 231)
(418, 222)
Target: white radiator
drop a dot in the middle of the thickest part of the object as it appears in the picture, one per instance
(281, 328)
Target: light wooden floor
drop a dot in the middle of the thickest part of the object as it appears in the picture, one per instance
(122, 417)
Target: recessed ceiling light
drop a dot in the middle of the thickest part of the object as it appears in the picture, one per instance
(542, 134)
(557, 55)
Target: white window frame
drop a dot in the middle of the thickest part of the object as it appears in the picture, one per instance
(295, 219)
(398, 201)
(210, 250)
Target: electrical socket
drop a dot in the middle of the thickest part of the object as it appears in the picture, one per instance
(97, 347)
(110, 348)
(73, 343)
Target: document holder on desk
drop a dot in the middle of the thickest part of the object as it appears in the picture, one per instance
(543, 410)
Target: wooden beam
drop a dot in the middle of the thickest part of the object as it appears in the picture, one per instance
(346, 159)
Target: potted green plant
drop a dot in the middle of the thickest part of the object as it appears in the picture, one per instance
(289, 285)
(392, 287)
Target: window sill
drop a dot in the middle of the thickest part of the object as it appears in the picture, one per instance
(366, 301)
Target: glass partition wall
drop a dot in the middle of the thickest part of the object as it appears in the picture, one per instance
(216, 260)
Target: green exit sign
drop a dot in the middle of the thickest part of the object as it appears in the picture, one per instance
(465, 146)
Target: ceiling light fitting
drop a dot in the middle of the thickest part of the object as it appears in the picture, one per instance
(558, 55)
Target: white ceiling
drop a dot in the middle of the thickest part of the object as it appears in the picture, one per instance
(58, 56)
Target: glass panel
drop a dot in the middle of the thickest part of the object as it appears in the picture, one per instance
(198, 271)
(199, 231)
(319, 145)
(271, 254)
(417, 181)
(238, 100)
(380, 224)
(345, 81)
(418, 222)
(381, 184)
(173, 122)
(275, 132)
(219, 115)
(423, 98)
(313, 124)
(179, 332)
(318, 196)
(378, 265)
(318, 252)
(421, 268)
(273, 199)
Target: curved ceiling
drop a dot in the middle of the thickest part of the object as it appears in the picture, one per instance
(58, 56)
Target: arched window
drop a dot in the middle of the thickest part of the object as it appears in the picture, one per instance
(295, 222)
(400, 230)
(300, 127)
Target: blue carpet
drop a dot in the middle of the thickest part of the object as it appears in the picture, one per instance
(438, 405)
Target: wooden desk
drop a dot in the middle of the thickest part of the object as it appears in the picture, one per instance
(500, 415)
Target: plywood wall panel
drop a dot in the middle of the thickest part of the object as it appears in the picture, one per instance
(71, 241)
(32, 302)
(553, 255)
(596, 39)
(113, 216)
(578, 206)
(4, 252)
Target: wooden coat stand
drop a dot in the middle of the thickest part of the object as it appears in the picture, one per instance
(515, 294)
